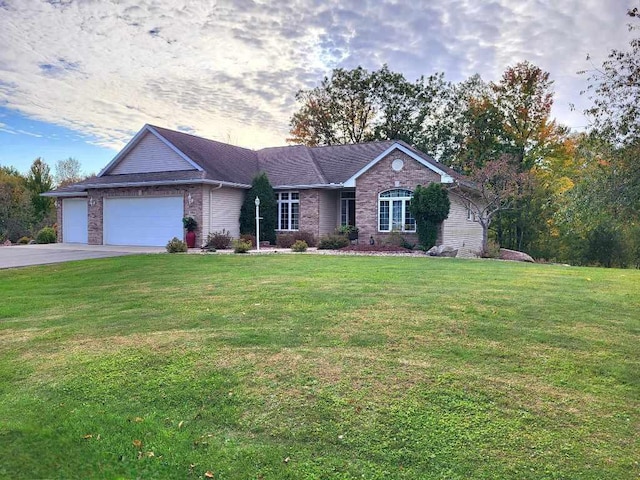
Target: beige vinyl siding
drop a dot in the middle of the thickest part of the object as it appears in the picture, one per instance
(329, 211)
(206, 212)
(460, 232)
(151, 155)
(224, 210)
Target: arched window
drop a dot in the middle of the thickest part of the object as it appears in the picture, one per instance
(393, 211)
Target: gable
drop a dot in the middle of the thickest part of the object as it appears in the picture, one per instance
(396, 147)
(149, 154)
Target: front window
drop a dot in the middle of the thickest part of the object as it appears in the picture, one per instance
(288, 210)
(393, 211)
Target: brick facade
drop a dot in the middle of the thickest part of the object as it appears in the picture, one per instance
(192, 195)
(310, 211)
(382, 177)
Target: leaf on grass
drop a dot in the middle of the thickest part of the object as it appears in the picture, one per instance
(137, 443)
(181, 423)
(151, 454)
(138, 419)
(287, 460)
(208, 474)
(87, 436)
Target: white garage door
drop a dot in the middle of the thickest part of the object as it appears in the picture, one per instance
(74, 220)
(151, 221)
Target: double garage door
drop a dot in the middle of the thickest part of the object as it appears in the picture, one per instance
(147, 221)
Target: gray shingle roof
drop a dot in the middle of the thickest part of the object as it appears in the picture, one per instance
(295, 165)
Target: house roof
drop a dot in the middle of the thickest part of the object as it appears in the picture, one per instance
(290, 166)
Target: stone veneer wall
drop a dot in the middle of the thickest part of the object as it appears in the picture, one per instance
(382, 177)
(310, 211)
(96, 201)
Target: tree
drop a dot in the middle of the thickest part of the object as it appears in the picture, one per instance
(430, 207)
(615, 91)
(15, 205)
(37, 181)
(68, 171)
(339, 111)
(261, 188)
(494, 187)
(354, 106)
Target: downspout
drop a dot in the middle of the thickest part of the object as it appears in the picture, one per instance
(211, 203)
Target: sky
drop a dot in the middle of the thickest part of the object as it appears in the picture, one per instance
(78, 78)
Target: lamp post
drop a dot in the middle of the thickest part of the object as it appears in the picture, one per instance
(257, 202)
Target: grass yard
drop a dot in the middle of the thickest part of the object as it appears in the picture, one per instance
(317, 367)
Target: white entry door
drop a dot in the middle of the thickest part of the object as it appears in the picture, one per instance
(74, 220)
(146, 221)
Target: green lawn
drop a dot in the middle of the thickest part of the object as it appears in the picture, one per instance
(309, 366)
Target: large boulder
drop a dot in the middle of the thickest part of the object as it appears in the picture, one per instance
(442, 251)
(514, 255)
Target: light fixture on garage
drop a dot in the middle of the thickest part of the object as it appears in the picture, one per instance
(189, 200)
(92, 201)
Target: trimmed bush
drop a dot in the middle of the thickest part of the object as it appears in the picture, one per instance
(299, 246)
(46, 235)
(23, 240)
(241, 246)
(286, 240)
(218, 240)
(247, 237)
(176, 245)
(333, 242)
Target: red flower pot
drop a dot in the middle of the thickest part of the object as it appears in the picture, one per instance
(191, 239)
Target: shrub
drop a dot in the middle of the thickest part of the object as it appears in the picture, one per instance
(176, 245)
(286, 240)
(241, 246)
(218, 240)
(333, 242)
(492, 250)
(300, 246)
(46, 235)
(24, 240)
(247, 237)
(430, 207)
(605, 246)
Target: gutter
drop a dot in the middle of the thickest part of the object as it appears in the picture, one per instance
(145, 184)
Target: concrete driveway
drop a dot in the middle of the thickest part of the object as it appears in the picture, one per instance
(25, 255)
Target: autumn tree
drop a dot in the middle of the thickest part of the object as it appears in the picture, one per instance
(494, 187)
(16, 211)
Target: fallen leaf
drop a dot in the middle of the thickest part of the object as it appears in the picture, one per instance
(287, 460)
(180, 424)
(151, 454)
(208, 474)
(138, 419)
(137, 443)
(87, 436)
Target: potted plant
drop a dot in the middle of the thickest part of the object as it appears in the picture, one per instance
(190, 226)
(350, 231)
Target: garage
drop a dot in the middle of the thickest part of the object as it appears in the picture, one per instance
(74, 220)
(147, 221)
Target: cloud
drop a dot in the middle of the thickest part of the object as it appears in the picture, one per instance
(231, 69)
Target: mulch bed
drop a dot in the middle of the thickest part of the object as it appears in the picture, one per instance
(376, 248)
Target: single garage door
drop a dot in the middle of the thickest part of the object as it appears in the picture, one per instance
(148, 221)
(74, 220)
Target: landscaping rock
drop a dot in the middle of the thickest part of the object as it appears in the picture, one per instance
(514, 255)
(7, 243)
(442, 251)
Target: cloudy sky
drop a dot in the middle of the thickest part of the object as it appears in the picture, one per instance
(79, 77)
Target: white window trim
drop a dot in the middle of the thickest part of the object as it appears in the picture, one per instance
(404, 206)
(289, 202)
